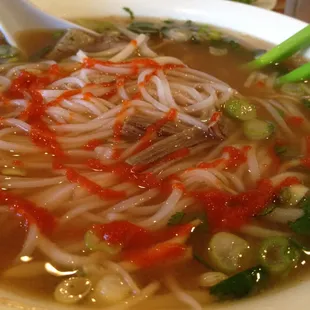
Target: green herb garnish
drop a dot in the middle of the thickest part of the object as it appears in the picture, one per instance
(240, 284)
(143, 27)
(130, 12)
(302, 225)
(184, 218)
(176, 219)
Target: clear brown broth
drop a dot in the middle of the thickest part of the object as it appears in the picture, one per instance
(197, 56)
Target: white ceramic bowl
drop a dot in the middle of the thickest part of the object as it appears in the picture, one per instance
(248, 20)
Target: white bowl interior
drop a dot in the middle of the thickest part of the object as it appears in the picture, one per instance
(271, 27)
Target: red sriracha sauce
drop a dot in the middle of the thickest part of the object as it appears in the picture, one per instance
(236, 157)
(158, 254)
(294, 121)
(92, 187)
(141, 247)
(29, 211)
(230, 212)
(92, 144)
(127, 173)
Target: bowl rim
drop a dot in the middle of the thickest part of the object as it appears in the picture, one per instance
(228, 15)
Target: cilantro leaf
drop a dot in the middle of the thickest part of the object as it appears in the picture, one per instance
(130, 12)
(302, 225)
(176, 219)
(240, 284)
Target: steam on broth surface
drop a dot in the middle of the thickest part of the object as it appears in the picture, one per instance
(145, 167)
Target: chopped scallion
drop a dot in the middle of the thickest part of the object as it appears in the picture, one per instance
(226, 250)
(277, 254)
(256, 129)
(240, 109)
(290, 196)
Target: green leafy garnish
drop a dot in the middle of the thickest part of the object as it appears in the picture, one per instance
(130, 12)
(168, 21)
(240, 284)
(184, 218)
(143, 27)
(302, 225)
(176, 219)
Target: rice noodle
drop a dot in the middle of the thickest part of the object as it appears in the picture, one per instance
(138, 136)
(181, 295)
